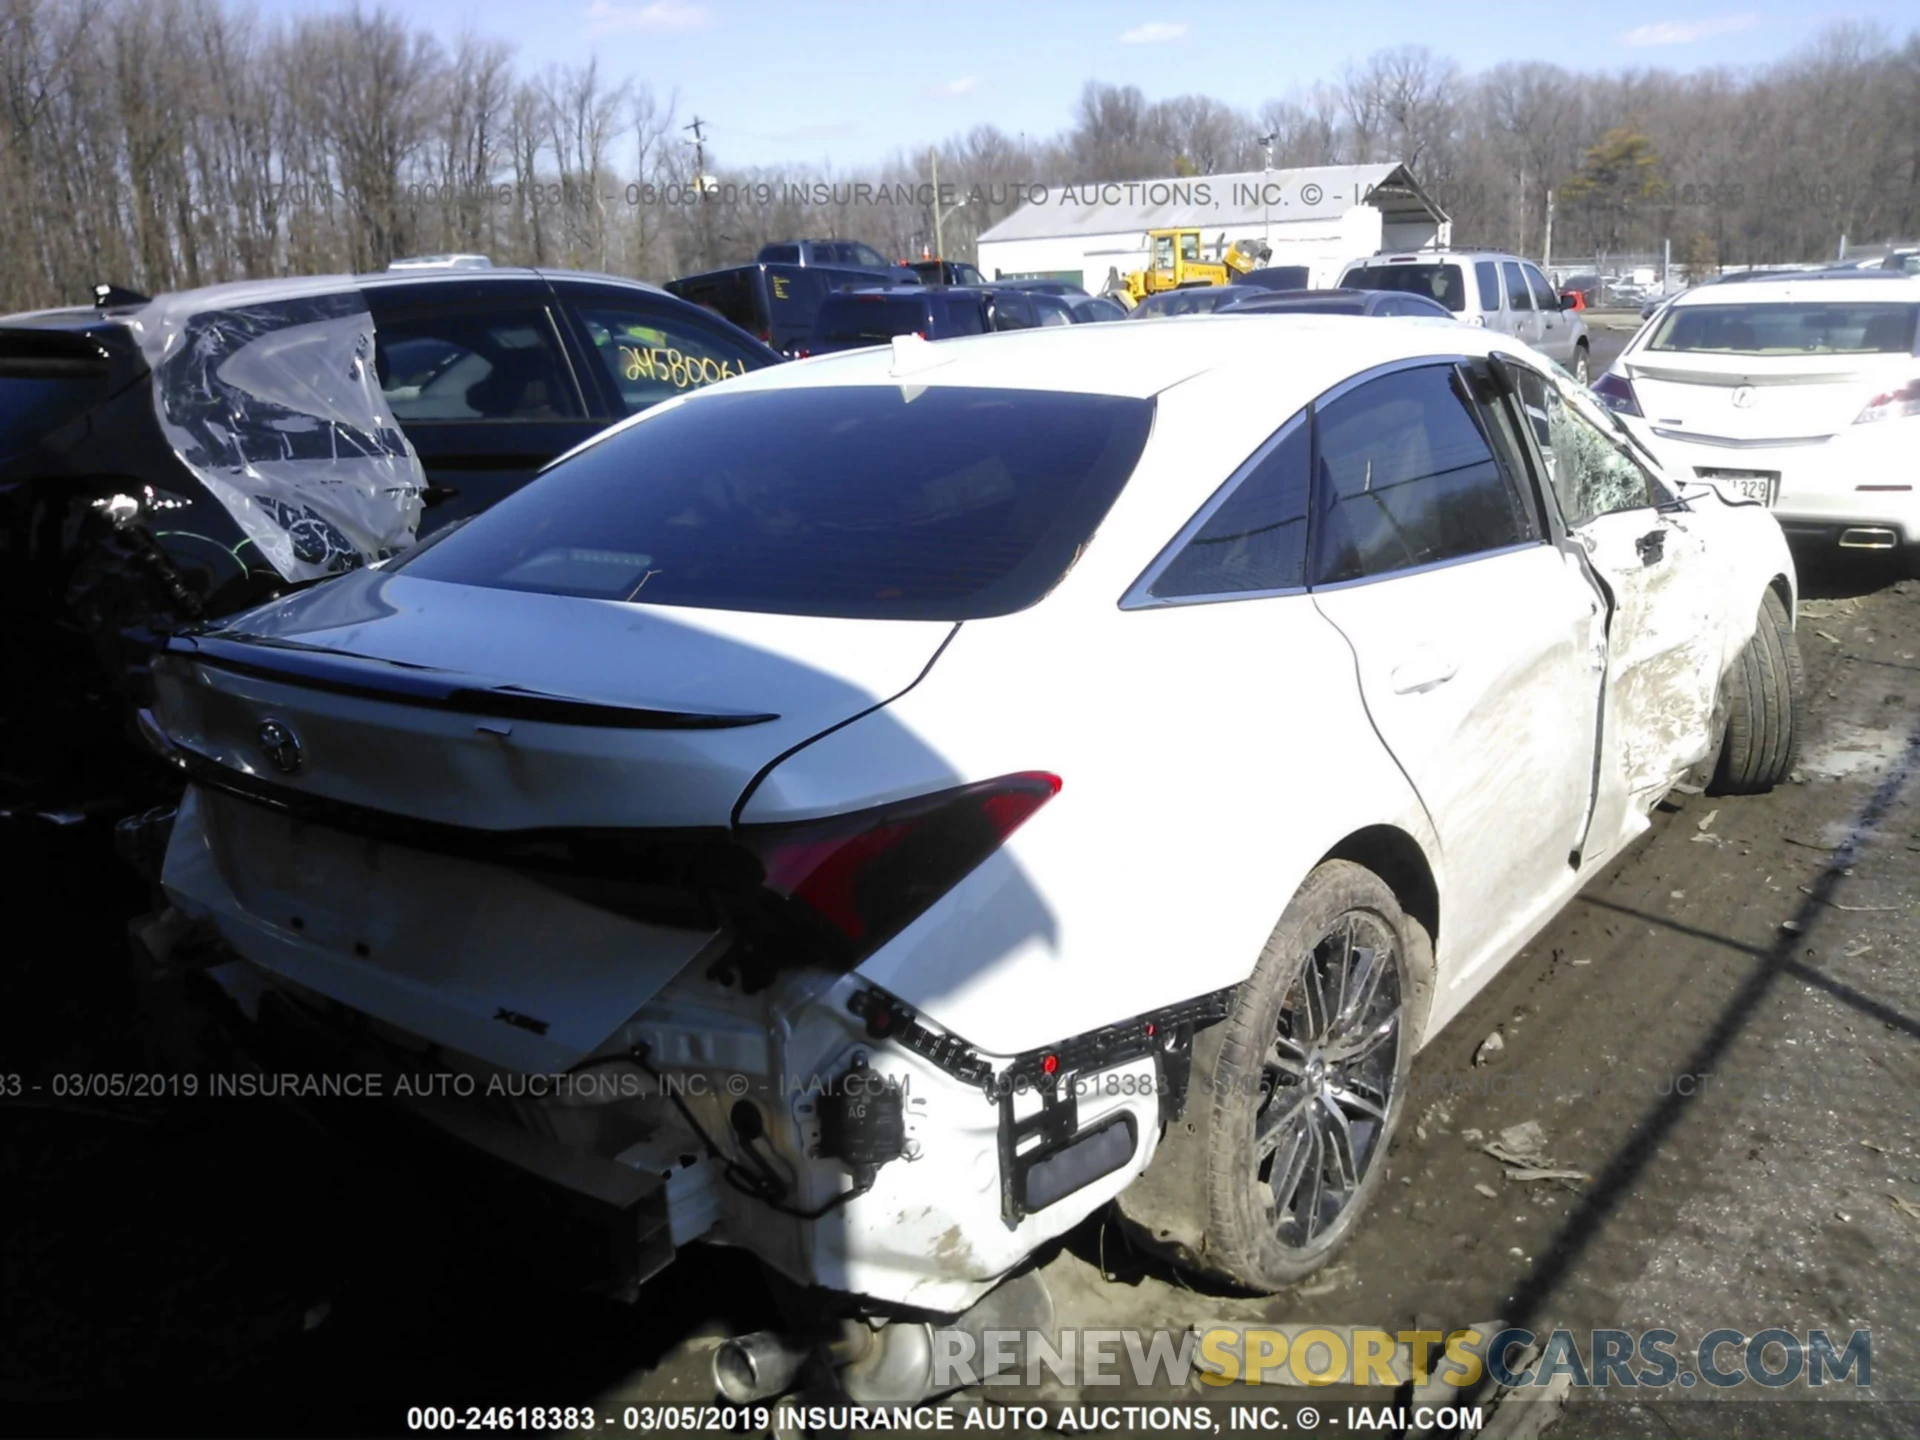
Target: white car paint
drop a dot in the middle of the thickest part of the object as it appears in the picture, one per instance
(1792, 418)
(1212, 754)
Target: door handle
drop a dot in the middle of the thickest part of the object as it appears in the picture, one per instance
(1652, 547)
(1422, 671)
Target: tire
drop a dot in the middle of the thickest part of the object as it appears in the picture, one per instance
(1582, 363)
(1763, 704)
(1263, 1215)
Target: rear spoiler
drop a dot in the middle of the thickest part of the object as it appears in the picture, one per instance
(400, 684)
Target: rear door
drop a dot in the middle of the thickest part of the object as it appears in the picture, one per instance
(1556, 328)
(1518, 319)
(1666, 603)
(1473, 636)
(481, 381)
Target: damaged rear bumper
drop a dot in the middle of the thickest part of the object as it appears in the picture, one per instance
(525, 1205)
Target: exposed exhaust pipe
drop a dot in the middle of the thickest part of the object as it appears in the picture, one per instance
(1868, 537)
(893, 1365)
(751, 1368)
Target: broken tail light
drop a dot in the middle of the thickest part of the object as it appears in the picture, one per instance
(1897, 404)
(1616, 393)
(838, 888)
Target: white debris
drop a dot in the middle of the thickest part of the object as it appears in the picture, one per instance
(1488, 1191)
(1489, 1048)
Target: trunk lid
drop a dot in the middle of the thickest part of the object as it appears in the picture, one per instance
(419, 799)
(1759, 399)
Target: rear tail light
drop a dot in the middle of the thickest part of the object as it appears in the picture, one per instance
(1616, 393)
(1893, 405)
(837, 889)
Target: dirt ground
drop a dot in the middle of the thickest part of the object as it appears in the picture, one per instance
(175, 1267)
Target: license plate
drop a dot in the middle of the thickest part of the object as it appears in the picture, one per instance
(1760, 486)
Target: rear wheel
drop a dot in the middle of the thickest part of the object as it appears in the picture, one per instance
(1298, 1091)
(1762, 698)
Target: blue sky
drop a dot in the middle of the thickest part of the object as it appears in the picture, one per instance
(848, 84)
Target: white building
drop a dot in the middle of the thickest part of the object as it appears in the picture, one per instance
(1319, 217)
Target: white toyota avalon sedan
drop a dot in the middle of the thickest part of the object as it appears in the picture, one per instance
(878, 810)
(1800, 393)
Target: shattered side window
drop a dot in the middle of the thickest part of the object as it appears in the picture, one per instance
(275, 405)
(1591, 473)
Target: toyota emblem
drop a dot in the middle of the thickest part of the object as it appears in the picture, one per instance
(280, 745)
(1743, 397)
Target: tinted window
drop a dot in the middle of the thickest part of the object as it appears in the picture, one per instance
(1517, 296)
(473, 365)
(1444, 283)
(33, 408)
(728, 293)
(1406, 478)
(868, 319)
(1257, 539)
(1012, 311)
(653, 356)
(1487, 273)
(962, 315)
(1805, 327)
(866, 255)
(782, 254)
(1591, 473)
(1053, 310)
(1543, 296)
(943, 503)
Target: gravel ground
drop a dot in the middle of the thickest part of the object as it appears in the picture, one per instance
(204, 1267)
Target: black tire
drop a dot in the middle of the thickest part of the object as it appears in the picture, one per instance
(1762, 695)
(1582, 363)
(1259, 1219)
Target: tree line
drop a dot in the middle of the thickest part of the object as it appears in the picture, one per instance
(163, 144)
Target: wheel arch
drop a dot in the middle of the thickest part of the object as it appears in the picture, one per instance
(1402, 865)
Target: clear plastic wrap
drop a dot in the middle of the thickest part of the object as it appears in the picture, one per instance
(269, 394)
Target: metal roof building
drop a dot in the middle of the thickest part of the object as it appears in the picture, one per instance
(1320, 217)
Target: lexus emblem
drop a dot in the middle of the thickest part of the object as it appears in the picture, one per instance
(1743, 397)
(280, 745)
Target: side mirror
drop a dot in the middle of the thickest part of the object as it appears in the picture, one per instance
(1569, 301)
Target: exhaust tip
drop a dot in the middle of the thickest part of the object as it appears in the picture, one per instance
(750, 1368)
(1868, 537)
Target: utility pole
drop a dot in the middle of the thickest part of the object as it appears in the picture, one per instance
(700, 182)
(1266, 188)
(1546, 249)
(939, 245)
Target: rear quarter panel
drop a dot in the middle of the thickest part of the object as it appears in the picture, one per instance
(1210, 754)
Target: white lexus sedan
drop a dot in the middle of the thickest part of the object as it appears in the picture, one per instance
(877, 810)
(1799, 393)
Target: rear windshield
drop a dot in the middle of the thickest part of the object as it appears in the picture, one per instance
(727, 292)
(31, 408)
(1807, 327)
(869, 319)
(1444, 283)
(890, 502)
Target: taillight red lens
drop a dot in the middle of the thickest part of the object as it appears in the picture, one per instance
(1616, 393)
(1893, 405)
(856, 880)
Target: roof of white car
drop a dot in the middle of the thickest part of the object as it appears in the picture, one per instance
(1887, 285)
(1137, 359)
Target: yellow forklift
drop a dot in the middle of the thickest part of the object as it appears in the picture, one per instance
(1175, 263)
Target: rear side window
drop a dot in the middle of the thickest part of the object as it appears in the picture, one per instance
(889, 502)
(1487, 273)
(1257, 540)
(652, 356)
(1517, 296)
(962, 316)
(1442, 282)
(473, 365)
(781, 254)
(1796, 328)
(1405, 477)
